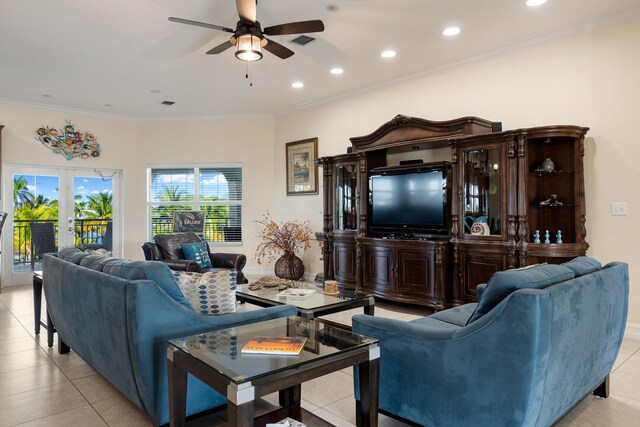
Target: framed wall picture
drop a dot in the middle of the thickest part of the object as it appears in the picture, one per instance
(189, 221)
(302, 172)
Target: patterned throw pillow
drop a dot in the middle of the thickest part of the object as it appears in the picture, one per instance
(197, 251)
(210, 293)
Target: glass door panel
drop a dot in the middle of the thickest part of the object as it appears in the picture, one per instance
(482, 192)
(52, 208)
(35, 219)
(93, 212)
(346, 197)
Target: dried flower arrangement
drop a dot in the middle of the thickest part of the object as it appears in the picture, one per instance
(289, 237)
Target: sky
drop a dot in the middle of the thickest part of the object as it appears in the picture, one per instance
(84, 186)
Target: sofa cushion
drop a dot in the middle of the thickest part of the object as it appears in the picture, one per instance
(456, 315)
(583, 265)
(171, 244)
(96, 262)
(155, 271)
(211, 293)
(503, 283)
(197, 251)
(72, 255)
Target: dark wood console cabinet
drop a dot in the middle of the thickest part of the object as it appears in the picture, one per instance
(500, 194)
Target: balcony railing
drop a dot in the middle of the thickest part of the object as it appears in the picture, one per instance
(87, 231)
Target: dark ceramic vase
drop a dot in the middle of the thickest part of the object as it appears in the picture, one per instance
(289, 266)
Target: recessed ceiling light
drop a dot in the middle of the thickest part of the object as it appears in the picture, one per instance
(46, 96)
(534, 3)
(336, 71)
(388, 54)
(297, 85)
(451, 31)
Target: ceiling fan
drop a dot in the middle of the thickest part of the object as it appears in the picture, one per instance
(249, 37)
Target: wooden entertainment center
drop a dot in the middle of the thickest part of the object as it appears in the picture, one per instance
(498, 189)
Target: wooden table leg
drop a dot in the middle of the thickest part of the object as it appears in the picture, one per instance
(368, 374)
(290, 396)
(50, 330)
(370, 309)
(37, 302)
(177, 377)
(240, 415)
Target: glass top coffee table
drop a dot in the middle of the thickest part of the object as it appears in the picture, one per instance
(309, 307)
(216, 359)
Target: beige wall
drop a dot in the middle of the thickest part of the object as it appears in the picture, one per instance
(248, 142)
(588, 80)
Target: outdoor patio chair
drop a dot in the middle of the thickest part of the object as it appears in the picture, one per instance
(43, 240)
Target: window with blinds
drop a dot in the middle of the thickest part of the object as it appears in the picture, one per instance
(215, 190)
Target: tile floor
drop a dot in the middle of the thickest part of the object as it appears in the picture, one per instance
(39, 387)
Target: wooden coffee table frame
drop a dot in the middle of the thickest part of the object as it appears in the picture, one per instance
(241, 397)
(366, 301)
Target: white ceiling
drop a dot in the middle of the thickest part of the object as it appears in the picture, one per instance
(123, 57)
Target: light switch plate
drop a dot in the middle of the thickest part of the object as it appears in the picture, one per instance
(619, 208)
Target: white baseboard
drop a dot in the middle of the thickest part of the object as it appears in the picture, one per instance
(632, 331)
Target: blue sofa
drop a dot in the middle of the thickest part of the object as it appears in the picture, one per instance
(119, 323)
(537, 342)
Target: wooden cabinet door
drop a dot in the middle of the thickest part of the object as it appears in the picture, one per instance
(476, 267)
(344, 263)
(378, 269)
(415, 275)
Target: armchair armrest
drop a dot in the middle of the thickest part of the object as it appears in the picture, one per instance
(182, 265)
(228, 260)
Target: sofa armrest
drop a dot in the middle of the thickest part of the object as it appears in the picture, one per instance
(153, 318)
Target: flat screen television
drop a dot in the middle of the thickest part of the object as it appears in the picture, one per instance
(409, 202)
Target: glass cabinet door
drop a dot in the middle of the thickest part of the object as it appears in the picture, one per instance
(482, 186)
(346, 195)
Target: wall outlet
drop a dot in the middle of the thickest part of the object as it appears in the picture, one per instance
(619, 208)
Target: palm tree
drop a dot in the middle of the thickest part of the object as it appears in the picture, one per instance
(100, 205)
(21, 193)
(171, 194)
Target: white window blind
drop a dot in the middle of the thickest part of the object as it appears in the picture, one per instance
(217, 190)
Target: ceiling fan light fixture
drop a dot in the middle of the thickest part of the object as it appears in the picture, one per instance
(249, 48)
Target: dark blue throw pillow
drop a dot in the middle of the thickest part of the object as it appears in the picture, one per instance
(197, 251)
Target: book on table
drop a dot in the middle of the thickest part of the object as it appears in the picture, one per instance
(274, 345)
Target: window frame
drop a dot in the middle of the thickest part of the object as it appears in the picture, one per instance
(196, 203)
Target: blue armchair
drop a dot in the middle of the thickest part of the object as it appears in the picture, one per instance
(538, 341)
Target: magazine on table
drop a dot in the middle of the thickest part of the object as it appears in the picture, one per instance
(274, 345)
(297, 293)
(287, 422)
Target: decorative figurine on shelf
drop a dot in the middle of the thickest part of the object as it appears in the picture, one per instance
(546, 237)
(536, 236)
(552, 201)
(547, 165)
(559, 237)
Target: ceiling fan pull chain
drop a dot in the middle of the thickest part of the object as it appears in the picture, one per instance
(246, 75)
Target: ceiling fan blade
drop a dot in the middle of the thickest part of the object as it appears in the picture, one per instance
(201, 24)
(314, 26)
(220, 48)
(247, 9)
(277, 49)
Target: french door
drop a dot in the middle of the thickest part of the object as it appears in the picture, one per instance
(70, 207)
